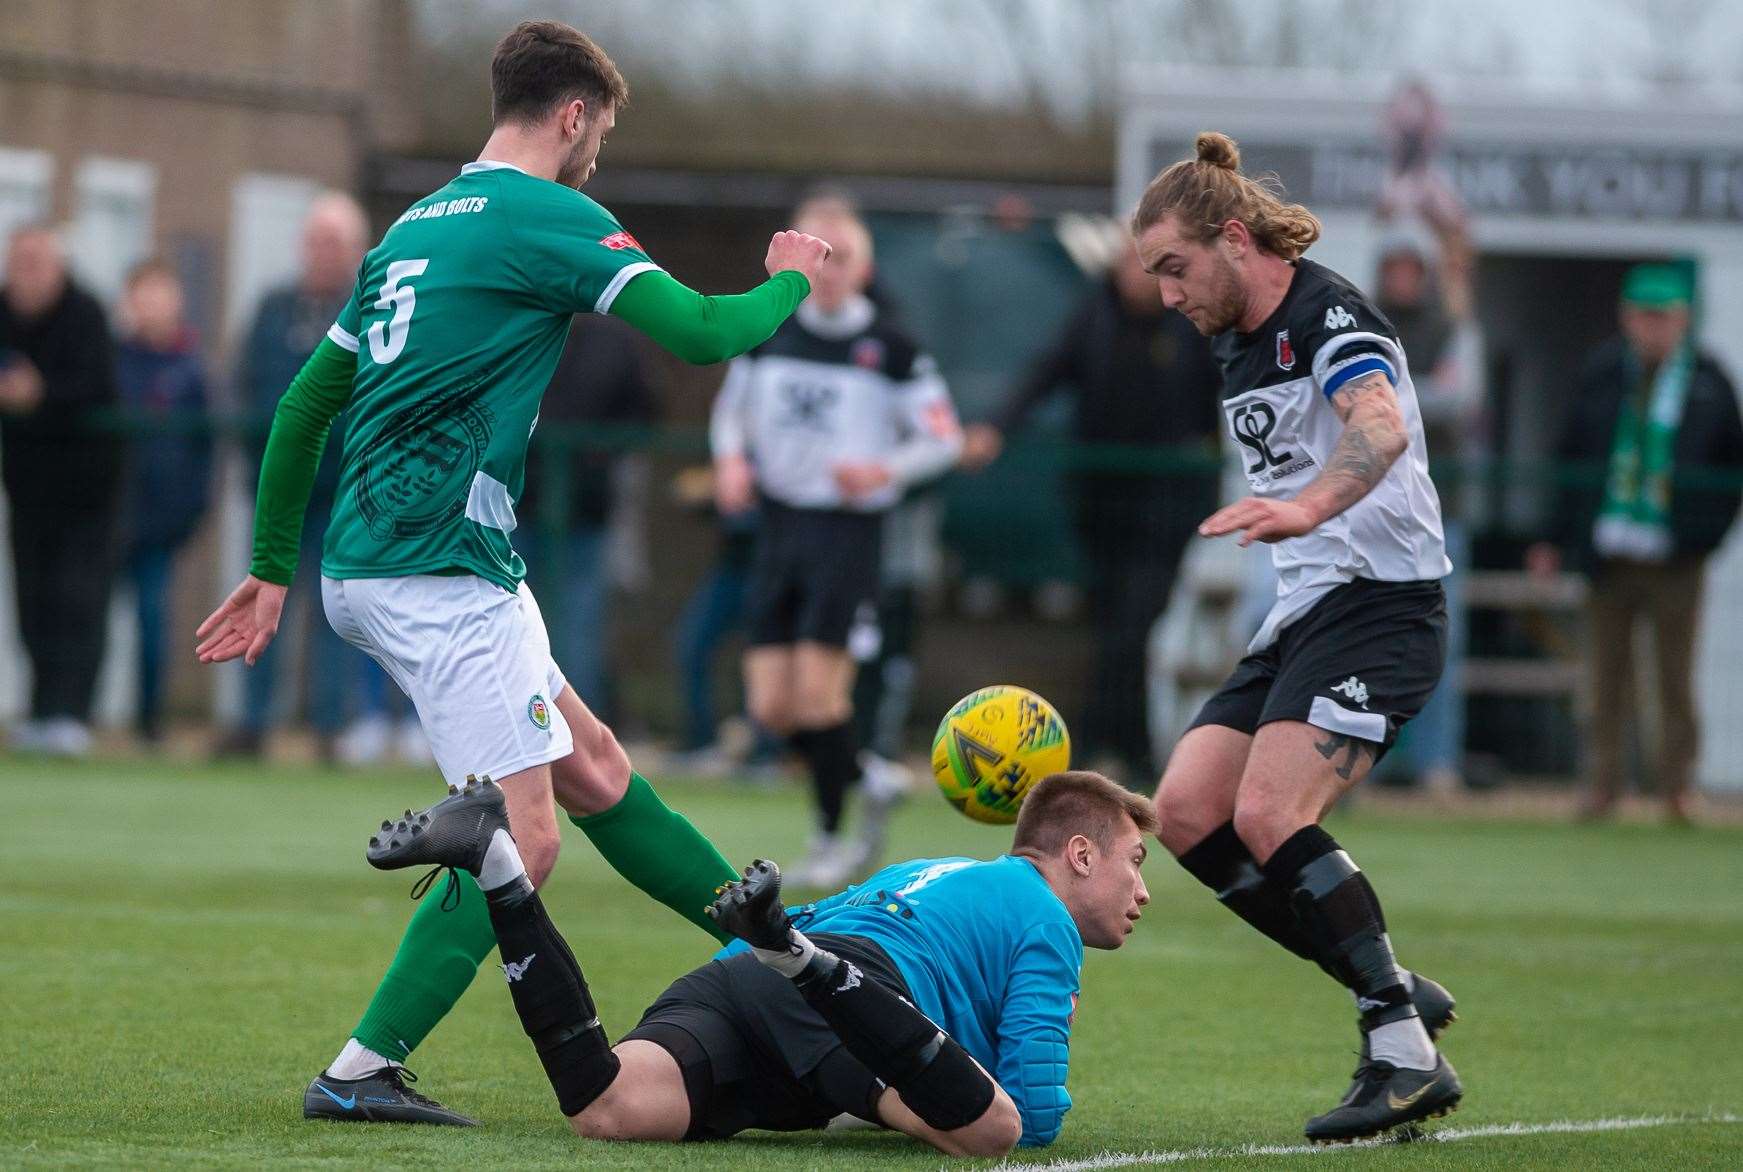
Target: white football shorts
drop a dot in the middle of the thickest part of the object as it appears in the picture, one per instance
(474, 659)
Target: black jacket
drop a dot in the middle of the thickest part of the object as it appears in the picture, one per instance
(59, 455)
(1708, 485)
(1135, 379)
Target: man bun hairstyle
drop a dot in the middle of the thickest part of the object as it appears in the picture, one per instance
(1219, 150)
(1079, 801)
(1207, 191)
(542, 64)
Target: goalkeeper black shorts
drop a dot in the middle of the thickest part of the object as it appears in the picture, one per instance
(754, 1054)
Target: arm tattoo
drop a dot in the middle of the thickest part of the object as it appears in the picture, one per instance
(1349, 746)
(1373, 437)
(1356, 457)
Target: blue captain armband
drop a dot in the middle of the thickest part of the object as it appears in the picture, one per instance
(1363, 360)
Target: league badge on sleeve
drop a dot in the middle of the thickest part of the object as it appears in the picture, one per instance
(1285, 351)
(618, 241)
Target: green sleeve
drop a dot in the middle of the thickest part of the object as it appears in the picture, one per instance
(704, 329)
(293, 450)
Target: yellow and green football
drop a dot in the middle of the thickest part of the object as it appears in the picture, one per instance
(993, 746)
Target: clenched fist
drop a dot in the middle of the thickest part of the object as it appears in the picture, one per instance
(798, 252)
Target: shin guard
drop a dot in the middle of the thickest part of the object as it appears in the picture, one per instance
(551, 996)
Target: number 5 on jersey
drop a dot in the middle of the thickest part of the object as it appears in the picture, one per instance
(387, 339)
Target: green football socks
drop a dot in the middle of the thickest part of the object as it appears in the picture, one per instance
(646, 841)
(657, 849)
(437, 958)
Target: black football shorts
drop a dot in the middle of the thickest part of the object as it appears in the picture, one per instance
(1362, 661)
(754, 1054)
(810, 573)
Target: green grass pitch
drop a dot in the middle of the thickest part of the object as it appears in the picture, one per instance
(182, 948)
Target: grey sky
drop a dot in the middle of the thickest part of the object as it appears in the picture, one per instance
(1066, 54)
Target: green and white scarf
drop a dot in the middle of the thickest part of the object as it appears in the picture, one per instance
(1634, 521)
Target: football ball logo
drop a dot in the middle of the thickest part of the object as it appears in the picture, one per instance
(993, 746)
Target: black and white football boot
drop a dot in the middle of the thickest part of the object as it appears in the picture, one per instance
(1384, 1096)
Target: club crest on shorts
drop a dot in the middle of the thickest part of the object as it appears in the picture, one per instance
(1285, 351)
(539, 712)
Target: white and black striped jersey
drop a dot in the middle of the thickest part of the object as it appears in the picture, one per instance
(829, 389)
(1277, 386)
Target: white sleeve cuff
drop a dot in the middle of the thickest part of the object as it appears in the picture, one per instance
(342, 337)
(619, 280)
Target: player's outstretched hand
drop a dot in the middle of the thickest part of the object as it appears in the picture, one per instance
(798, 252)
(244, 625)
(1258, 519)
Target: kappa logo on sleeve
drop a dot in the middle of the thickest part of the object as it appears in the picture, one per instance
(1339, 318)
(620, 240)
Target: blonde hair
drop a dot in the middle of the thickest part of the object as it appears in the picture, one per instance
(1207, 191)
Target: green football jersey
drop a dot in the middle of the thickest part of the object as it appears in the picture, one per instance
(457, 321)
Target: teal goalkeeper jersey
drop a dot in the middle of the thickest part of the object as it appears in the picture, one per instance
(457, 321)
(989, 953)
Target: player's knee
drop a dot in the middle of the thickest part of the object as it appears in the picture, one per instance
(603, 1119)
(618, 1113)
(594, 777)
(995, 1133)
(604, 767)
(538, 853)
(1182, 814)
(820, 713)
(821, 707)
(773, 713)
(1262, 826)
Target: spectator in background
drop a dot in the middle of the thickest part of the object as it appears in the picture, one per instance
(1140, 374)
(162, 382)
(1659, 414)
(1429, 304)
(289, 323)
(62, 470)
(569, 496)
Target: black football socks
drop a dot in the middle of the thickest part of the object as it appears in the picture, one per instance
(1338, 911)
(832, 757)
(932, 1072)
(1222, 862)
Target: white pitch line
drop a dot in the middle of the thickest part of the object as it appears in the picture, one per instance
(1442, 1135)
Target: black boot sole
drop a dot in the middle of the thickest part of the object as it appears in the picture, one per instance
(455, 832)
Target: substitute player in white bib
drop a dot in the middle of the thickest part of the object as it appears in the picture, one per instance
(824, 427)
(1317, 393)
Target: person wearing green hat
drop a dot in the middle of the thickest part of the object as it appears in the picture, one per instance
(1660, 419)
